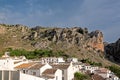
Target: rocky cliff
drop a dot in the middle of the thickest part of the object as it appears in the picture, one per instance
(75, 41)
(68, 37)
(113, 51)
(41, 37)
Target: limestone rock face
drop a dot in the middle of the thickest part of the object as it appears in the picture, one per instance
(113, 51)
(97, 40)
(42, 37)
(75, 36)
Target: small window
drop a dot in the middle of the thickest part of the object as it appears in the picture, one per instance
(62, 78)
(62, 71)
(23, 71)
(34, 73)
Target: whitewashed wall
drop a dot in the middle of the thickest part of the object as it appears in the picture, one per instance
(32, 71)
(70, 73)
(6, 64)
(58, 74)
(29, 77)
(42, 69)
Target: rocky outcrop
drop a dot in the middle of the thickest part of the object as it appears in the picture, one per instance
(69, 36)
(41, 37)
(113, 51)
(97, 40)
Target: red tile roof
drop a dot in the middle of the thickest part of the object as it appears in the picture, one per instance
(25, 65)
(36, 66)
(103, 70)
(97, 77)
(49, 73)
(17, 62)
(60, 66)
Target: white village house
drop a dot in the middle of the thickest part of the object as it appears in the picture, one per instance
(67, 70)
(33, 68)
(52, 60)
(44, 71)
(72, 60)
(52, 74)
(8, 63)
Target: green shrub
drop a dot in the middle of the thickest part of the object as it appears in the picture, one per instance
(91, 62)
(115, 69)
(36, 53)
(79, 76)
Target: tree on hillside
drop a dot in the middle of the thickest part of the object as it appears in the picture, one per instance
(79, 76)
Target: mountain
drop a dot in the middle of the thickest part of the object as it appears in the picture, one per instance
(75, 41)
(113, 51)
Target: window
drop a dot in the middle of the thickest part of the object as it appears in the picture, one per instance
(34, 73)
(62, 71)
(23, 71)
(62, 78)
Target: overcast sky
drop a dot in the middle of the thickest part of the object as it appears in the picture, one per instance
(101, 15)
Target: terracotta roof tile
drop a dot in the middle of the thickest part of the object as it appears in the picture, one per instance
(25, 65)
(49, 73)
(60, 66)
(104, 70)
(97, 77)
(17, 62)
(4, 57)
(36, 66)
